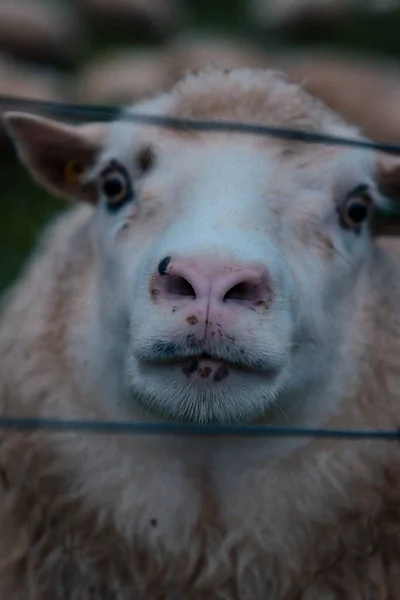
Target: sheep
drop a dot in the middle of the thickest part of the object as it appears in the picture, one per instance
(146, 18)
(124, 74)
(133, 75)
(42, 31)
(363, 91)
(197, 49)
(315, 13)
(204, 278)
(21, 80)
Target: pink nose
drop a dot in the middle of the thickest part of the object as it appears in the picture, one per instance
(193, 279)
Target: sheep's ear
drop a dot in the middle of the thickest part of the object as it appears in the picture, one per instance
(56, 154)
(386, 220)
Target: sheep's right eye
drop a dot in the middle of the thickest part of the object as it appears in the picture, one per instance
(114, 188)
(115, 185)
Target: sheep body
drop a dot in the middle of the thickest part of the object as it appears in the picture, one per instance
(119, 517)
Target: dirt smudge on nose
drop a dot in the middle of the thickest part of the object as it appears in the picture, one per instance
(192, 320)
(154, 293)
(153, 289)
(262, 304)
(221, 373)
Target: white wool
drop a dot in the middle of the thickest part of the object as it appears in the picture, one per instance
(160, 517)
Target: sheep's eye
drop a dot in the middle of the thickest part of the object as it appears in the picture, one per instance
(115, 186)
(356, 209)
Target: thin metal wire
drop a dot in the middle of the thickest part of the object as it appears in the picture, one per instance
(129, 427)
(107, 113)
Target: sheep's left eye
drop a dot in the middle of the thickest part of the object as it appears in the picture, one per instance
(115, 186)
(356, 209)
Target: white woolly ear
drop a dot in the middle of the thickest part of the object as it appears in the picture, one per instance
(56, 154)
(387, 218)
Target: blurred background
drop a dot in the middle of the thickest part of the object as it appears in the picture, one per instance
(347, 52)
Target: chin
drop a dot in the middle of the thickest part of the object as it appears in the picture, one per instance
(206, 390)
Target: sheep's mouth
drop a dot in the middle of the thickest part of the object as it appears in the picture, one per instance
(194, 356)
(180, 383)
(204, 362)
(204, 357)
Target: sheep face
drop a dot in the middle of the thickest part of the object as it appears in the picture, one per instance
(235, 267)
(226, 265)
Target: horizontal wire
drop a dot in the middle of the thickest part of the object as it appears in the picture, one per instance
(129, 427)
(108, 113)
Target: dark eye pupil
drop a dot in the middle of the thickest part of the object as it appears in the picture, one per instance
(113, 187)
(357, 212)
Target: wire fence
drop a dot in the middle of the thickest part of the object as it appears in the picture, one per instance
(109, 113)
(129, 427)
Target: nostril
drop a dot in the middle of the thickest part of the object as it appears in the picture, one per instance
(240, 291)
(178, 287)
(181, 280)
(245, 291)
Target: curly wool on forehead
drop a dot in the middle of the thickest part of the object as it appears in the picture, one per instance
(255, 95)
